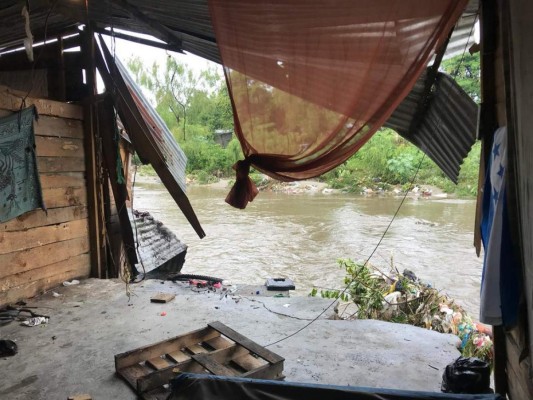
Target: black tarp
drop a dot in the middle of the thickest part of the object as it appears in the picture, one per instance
(195, 386)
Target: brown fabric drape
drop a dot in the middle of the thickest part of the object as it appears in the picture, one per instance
(311, 81)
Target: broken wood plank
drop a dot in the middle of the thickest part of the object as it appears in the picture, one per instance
(157, 363)
(196, 349)
(164, 347)
(58, 127)
(247, 343)
(80, 397)
(219, 343)
(213, 366)
(35, 237)
(248, 362)
(162, 298)
(133, 373)
(178, 356)
(267, 371)
(161, 377)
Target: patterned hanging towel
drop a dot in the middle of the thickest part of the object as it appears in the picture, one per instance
(20, 188)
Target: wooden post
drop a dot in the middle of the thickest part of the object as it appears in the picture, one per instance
(93, 161)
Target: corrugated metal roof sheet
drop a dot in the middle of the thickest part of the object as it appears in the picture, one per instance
(462, 36)
(186, 25)
(446, 130)
(159, 249)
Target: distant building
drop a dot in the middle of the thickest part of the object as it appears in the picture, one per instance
(223, 137)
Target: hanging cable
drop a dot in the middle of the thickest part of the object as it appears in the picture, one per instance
(454, 75)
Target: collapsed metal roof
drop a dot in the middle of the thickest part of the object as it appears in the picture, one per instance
(185, 25)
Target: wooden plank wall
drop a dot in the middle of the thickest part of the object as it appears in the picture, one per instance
(40, 250)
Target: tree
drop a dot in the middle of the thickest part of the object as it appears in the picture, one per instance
(466, 70)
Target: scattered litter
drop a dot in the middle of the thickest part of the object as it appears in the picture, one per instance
(162, 298)
(55, 294)
(258, 292)
(35, 321)
(279, 284)
(72, 282)
(8, 348)
(163, 313)
(467, 375)
(286, 305)
(217, 285)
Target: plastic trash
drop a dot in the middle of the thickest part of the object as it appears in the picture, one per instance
(8, 348)
(466, 376)
(72, 282)
(35, 321)
(55, 294)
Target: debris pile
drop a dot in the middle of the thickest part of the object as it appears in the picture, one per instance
(404, 298)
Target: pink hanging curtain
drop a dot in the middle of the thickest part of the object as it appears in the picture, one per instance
(311, 81)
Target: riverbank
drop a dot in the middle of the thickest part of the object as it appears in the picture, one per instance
(52, 362)
(312, 186)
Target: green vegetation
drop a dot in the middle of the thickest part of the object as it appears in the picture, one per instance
(194, 105)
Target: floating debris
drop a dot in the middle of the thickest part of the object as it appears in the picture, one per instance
(404, 298)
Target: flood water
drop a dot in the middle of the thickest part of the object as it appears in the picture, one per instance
(300, 236)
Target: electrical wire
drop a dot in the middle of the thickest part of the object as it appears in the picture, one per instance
(454, 75)
(366, 262)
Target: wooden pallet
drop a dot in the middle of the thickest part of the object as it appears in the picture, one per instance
(215, 349)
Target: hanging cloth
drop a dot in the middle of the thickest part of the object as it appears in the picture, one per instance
(311, 81)
(20, 188)
(500, 282)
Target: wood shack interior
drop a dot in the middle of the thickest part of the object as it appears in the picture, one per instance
(85, 230)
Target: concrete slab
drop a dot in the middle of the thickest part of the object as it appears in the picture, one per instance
(93, 321)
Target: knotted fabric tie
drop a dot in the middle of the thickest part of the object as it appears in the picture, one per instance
(243, 190)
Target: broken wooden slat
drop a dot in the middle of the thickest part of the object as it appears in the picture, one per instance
(219, 343)
(249, 362)
(178, 356)
(162, 298)
(267, 371)
(196, 349)
(133, 373)
(213, 366)
(157, 363)
(163, 376)
(164, 347)
(247, 343)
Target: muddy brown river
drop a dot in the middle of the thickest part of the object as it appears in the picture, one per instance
(300, 236)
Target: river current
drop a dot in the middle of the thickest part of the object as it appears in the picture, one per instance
(300, 236)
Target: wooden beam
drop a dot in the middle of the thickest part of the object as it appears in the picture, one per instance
(107, 129)
(156, 27)
(141, 136)
(135, 39)
(92, 162)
